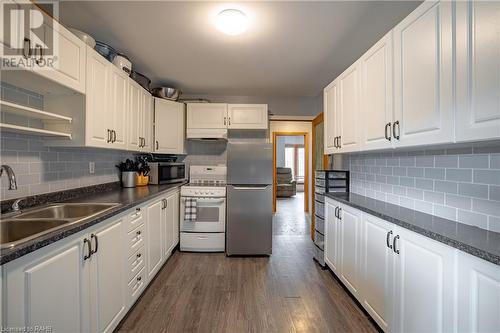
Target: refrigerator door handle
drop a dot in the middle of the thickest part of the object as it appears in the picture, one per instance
(250, 187)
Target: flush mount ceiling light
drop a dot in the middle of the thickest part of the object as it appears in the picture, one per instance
(232, 22)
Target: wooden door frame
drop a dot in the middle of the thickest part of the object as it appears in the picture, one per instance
(306, 166)
(318, 120)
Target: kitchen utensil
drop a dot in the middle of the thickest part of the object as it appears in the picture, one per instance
(143, 80)
(85, 37)
(105, 50)
(172, 94)
(123, 62)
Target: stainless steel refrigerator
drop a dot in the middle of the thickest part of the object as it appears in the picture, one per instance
(249, 199)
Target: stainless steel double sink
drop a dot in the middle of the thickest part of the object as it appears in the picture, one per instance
(27, 225)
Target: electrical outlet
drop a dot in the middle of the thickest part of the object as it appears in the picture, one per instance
(92, 167)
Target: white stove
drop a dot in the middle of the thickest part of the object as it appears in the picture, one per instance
(206, 233)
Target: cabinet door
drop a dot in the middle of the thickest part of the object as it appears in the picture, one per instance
(147, 122)
(49, 287)
(424, 278)
(135, 113)
(478, 295)
(169, 129)
(108, 280)
(118, 99)
(65, 63)
(376, 96)
(478, 70)
(348, 115)
(377, 270)
(168, 236)
(330, 111)
(423, 75)
(154, 226)
(207, 115)
(247, 116)
(176, 204)
(331, 237)
(350, 248)
(98, 116)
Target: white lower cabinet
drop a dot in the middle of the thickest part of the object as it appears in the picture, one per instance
(404, 280)
(377, 270)
(349, 234)
(478, 295)
(424, 280)
(154, 241)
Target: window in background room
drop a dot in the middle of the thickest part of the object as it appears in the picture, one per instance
(294, 159)
(290, 158)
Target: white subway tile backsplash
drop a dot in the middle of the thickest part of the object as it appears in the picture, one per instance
(461, 184)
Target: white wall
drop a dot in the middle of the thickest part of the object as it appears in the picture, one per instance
(296, 126)
(281, 142)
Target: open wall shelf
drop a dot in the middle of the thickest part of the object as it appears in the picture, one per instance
(26, 111)
(33, 131)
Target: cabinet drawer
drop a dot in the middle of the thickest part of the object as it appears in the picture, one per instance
(319, 224)
(136, 262)
(319, 255)
(135, 239)
(319, 197)
(136, 286)
(202, 242)
(320, 208)
(319, 240)
(135, 219)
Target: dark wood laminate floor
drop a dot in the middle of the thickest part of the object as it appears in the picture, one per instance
(286, 292)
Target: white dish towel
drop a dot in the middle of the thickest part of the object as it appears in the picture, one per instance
(190, 209)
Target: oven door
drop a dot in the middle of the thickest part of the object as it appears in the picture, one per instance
(210, 215)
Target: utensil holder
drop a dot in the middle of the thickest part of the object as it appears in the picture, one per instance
(129, 178)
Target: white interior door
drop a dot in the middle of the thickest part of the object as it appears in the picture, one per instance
(108, 277)
(350, 241)
(247, 116)
(169, 129)
(424, 278)
(98, 116)
(478, 70)
(377, 270)
(330, 106)
(207, 115)
(423, 64)
(348, 120)
(376, 113)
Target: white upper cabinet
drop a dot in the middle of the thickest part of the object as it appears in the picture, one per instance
(99, 119)
(376, 95)
(247, 116)
(135, 113)
(424, 294)
(169, 127)
(478, 70)
(331, 107)
(423, 65)
(348, 115)
(146, 122)
(478, 295)
(118, 98)
(206, 115)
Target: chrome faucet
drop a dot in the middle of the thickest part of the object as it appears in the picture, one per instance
(10, 174)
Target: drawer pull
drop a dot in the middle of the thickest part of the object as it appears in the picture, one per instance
(138, 232)
(139, 255)
(139, 278)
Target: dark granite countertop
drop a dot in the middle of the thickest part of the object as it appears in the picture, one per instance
(473, 240)
(125, 197)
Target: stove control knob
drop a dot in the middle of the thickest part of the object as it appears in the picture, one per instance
(196, 192)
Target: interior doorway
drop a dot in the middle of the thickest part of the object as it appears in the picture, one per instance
(291, 170)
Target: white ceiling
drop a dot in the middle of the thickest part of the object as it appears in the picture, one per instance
(291, 48)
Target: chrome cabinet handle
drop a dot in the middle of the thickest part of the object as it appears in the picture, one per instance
(27, 50)
(89, 249)
(394, 244)
(224, 121)
(389, 233)
(39, 59)
(229, 121)
(156, 144)
(108, 140)
(92, 236)
(396, 136)
(388, 136)
(340, 141)
(340, 211)
(114, 135)
(336, 212)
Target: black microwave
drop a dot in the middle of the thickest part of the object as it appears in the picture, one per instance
(166, 172)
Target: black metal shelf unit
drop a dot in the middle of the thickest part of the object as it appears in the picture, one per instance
(325, 181)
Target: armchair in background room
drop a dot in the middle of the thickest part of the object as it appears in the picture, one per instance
(286, 185)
